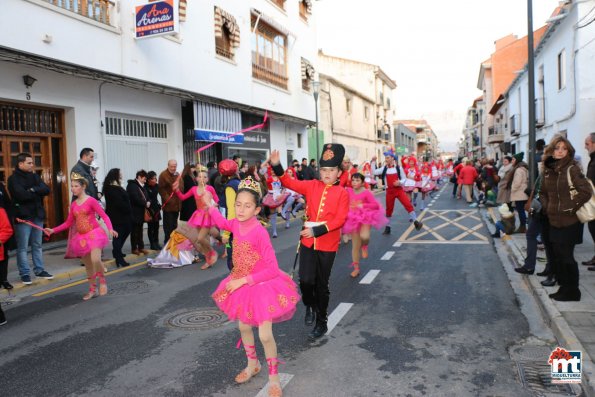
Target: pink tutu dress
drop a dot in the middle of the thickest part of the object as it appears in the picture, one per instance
(85, 234)
(200, 217)
(270, 294)
(370, 212)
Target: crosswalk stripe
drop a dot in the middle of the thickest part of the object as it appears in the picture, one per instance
(370, 276)
(337, 315)
(387, 255)
(283, 379)
(397, 244)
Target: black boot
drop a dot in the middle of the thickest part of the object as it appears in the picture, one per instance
(569, 294)
(310, 316)
(386, 230)
(550, 281)
(418, 225)
(2, 318)
(319, 330)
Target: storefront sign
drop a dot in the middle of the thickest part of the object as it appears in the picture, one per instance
(257, 140)
(402, 150)
(156, 19)
(218, 136)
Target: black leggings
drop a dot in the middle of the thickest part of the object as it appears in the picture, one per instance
(136, 237)
(4, 267)
(315, 271)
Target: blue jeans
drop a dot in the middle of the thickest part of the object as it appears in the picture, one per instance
(533, 231)
(26, 235)
(520, 208)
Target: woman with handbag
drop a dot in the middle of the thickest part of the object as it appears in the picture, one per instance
(118, 209)
(563, 192)
(140, 203)
(155, 209)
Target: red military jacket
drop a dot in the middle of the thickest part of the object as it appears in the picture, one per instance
(345, 178)
(5, 231)
(324, 203)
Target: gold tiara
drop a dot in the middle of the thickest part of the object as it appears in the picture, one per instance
(251, 184)
(76, 175)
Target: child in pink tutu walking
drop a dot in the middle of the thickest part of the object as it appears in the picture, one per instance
(200, 219)
(364, 213)
(256, 293)
(86, 238)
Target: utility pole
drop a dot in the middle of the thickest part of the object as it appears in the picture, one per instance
(531, 77)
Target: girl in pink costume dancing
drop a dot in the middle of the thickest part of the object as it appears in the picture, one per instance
(364, 212)
(256, 293)
(87, 238)
(200, 219)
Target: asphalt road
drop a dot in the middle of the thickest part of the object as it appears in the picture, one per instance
(437, 320)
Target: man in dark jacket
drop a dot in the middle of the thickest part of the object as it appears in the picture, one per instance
(139, 201)
(83, 167)
(27, 191)
(590, 146)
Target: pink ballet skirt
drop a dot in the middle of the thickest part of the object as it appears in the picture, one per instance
(200, 218)
(81, 244)
(272, 300)
(356, 217)
(428, 187)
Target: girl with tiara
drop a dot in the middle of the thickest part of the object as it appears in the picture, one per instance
(364, 212)
(86, 238)
(200, 219)
(256, 293)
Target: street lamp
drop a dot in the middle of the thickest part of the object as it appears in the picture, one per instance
(315, 92)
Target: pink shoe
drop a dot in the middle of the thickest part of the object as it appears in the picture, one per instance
(365, 251)
(211, 258)
(246, 375)
(274, 385)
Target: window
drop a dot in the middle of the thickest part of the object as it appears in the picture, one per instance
(269, 54)
(308, 74)
(305, 9)
(227, 34)
(299, 141)
(279, 3)
(348, 105)
(562, 70)
(367, 112)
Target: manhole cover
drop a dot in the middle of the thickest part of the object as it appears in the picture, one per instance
(130, 287)
(197, 320)
(530, 353)
(536, 376)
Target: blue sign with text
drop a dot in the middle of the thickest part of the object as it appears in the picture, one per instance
(217, 136)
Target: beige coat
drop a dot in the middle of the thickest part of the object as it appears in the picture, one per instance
(520, 182)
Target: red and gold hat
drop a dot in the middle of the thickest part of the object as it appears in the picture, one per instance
(332, 155)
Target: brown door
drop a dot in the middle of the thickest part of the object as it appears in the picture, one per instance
(37, 131)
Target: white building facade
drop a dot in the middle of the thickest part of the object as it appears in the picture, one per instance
(74, 77)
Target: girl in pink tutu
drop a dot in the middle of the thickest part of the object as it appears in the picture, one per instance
(364, 212)
(256, 293)
(200, 219)
(427, 184)
(86, 238)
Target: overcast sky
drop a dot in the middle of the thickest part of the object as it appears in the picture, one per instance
(431, 48)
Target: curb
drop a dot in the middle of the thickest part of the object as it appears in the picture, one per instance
(552, 316)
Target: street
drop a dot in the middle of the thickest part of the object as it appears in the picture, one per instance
(438, 317)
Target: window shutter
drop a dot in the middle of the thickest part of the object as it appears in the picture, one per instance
(182, 10)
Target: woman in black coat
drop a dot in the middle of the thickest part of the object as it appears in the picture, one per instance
(117, 207)
(153, 226)
(139, 201)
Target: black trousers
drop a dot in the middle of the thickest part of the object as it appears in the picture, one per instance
(4, 267)
(153, 233)
(170, 223)
(592, 230)
(136, 237)
(123, 230)
(564, 266)
(315, 271)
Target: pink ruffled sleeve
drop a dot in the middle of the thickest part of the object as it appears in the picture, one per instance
(370, 202)
(184, 196)
(211, 190)
(67, 223)
(219, 220)
(270, 267)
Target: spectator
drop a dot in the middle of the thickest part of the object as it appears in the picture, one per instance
(153, 225)
(188, 181)
(83, 167)
(118, 209)
(139, 201)
(314, 169)
(5, 233)
(244, 170)
(171, 202)
(590, 146)
(560, 207)
(518, 184)
(307, 172)
(467, 176)
(504, 176)
(539, 146)
(27, 191)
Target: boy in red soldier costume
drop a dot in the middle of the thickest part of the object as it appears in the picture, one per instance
(391, 178)
(327, 205)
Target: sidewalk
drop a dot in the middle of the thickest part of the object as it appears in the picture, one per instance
(573, 323)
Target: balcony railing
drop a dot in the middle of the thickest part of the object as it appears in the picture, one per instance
(98, 10)
(495, 135)
(269, 76)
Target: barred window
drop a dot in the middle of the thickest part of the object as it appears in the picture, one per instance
(134, 128)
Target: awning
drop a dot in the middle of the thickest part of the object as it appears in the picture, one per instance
(223, 18)
(270, 21)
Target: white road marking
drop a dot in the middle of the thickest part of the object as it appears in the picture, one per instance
(387, 256)
(283, 379)
(370, 277)
(337, 315)
(429, 205)
(397, 244)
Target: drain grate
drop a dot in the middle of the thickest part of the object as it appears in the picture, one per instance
(530, 353)
(197, 320)
(130, 287)
(536, 376)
